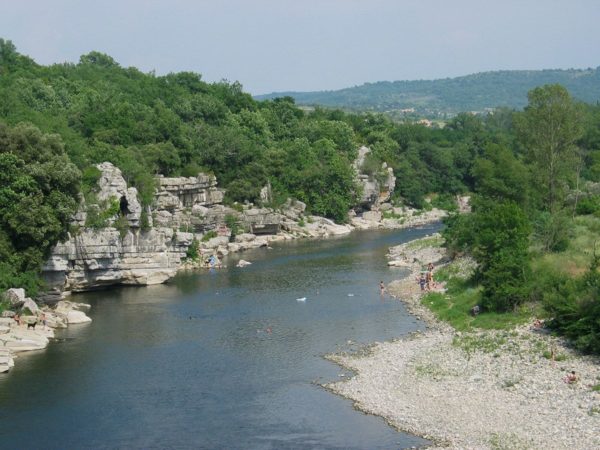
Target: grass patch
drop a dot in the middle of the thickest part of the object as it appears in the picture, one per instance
(596, 388)
(432, 241)
(486, 343)
(575, 260)
(558, 357)
(454, 306)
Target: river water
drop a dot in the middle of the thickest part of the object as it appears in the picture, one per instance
(226, 359)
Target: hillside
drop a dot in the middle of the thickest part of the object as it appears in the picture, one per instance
(476, 92)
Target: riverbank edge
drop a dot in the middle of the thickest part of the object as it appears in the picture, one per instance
(429, 384)
(321, 229)
(316, 228)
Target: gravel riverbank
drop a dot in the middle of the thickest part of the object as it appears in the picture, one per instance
(475, 390)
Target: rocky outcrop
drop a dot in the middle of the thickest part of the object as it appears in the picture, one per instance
(186, 209)
(185, 201)
(112, 185)
(375, 188)
(97, 258)
(28, 327)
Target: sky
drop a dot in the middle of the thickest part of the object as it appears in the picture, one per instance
(306, 45)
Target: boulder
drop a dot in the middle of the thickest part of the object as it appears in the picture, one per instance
(293, 209)
(243, 263)
(77, 317)
(16, 296)
(244, 237)
(30, 305)
(372, 216)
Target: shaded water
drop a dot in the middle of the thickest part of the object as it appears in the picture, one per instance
(226, 359)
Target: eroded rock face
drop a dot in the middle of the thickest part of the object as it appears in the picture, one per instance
(375, 190)
(97, 258)
(112, 185)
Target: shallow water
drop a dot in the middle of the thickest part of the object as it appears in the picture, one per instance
(222, 359)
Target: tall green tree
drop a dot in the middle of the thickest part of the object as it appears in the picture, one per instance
(549, 128)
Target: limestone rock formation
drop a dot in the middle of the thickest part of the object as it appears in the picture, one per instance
(97, 258)
(375, 190)
(112, 185)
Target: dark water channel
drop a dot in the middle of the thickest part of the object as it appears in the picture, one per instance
(220, 360)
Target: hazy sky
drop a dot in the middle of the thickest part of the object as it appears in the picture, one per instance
(277, 45)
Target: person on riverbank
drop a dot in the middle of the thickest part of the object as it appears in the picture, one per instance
(422, 281)
(571, 377)
(430, 282)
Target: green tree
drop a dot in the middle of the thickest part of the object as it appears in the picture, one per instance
(549, 128)
(38, 195)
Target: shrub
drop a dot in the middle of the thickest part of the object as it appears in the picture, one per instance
(588, 205)
(574, 307)
(209, 235)
(193, 251)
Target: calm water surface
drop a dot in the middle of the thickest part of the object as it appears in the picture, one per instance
(219, 360)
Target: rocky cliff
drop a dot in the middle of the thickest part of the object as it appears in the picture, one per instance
(97, 258)
(93, 258)
(376, 188)
(146, 245)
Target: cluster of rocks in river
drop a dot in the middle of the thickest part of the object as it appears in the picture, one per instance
(485, 389)
(26, 326)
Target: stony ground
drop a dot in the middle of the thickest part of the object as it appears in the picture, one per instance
(480, 390)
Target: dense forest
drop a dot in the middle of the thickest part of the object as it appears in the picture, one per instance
(532, 172)
(449, 96)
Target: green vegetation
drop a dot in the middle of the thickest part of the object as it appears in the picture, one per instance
(529, 247)
(209, 235)
(531, 172)
(38, 194)
(462, 294)
(193, 251)
(433, 98)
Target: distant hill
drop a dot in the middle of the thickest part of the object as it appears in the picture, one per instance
(475, 92)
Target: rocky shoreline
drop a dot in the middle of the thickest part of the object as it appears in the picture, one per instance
(34, 330)
(474, 390)
(17, 337)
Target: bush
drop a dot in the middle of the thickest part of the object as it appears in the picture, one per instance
(574, 307)
(193, 251)
(551, 231)
(445, 201)
(588, 205)
(232, 223)
(209, 235)
(89, 179)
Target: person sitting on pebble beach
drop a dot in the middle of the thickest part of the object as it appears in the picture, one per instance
(571, 377)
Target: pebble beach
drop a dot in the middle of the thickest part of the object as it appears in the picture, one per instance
(488, 389)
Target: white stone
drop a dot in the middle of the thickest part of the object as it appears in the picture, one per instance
(15, 295)
(77, 317)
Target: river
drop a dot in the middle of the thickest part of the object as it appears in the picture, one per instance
(226, 359)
